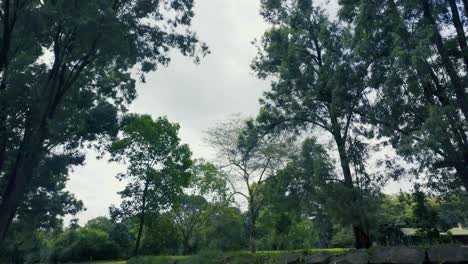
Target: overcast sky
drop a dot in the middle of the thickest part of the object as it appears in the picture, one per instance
(195, 96)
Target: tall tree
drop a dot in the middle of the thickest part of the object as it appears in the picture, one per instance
(187, 217)
(61, 60)
(417, 56)
(206, 187)
(317, 84)
(305, 188)
(158, 167)
(248, 159)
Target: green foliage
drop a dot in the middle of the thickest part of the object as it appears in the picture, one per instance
(425, 217)
(452, 210)
(187, 217)
(100, 223)
(70, 84)
(158, 168)
(317, 86)
(417, 59)
(160, 236)
(157, 163)
(248, 157)
(83, 244)
(208, 181)
(222, 228)
(343, 238)
(121, 235)
(23, 245)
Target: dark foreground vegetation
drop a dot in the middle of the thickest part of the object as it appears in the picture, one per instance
(375, 95)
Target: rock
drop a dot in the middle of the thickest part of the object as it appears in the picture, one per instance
(397, 255)
(318, 258)
(448, 254)
(359, 256)
(291, 258)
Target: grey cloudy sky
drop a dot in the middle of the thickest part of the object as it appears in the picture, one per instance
(195, 96)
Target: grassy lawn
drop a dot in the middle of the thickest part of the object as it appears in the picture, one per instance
(105, 262)
(240, 255)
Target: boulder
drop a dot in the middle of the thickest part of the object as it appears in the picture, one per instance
(359, 256)
(291, 258)
(318, 258)
(397, 255)
(448, 254)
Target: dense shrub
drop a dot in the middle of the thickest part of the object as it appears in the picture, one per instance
(83, 244)
(160, 236)
(343, 238)
(222, 229)
(23, 245)
(120, 234)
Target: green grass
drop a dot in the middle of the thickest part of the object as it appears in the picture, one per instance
(244, 256)
(113, 262)
(332, 251)
(105, 262)
(240, 257)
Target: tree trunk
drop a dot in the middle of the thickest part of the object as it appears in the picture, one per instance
(3, 137)
(21, 174)
(252, 228)
(187, 248)
(142, 220)
(465, 170)
(361, 237)
(29, 152)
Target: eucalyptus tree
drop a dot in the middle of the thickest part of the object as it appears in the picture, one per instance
(248, 157)
(66, 64)
(418, 60)
(317, 85)
(158, 168)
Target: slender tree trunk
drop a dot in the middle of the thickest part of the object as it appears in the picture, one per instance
(4, 62)
(361, 236)
(3, 137)
(252, 228)
(142, 220)
(464, 171)
(187, 248)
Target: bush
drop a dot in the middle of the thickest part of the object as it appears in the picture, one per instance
(343, 238)
(83, 244)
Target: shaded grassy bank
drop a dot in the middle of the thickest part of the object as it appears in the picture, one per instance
(237, 257)
(215, 257)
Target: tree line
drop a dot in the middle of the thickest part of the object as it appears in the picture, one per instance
(173, 205)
